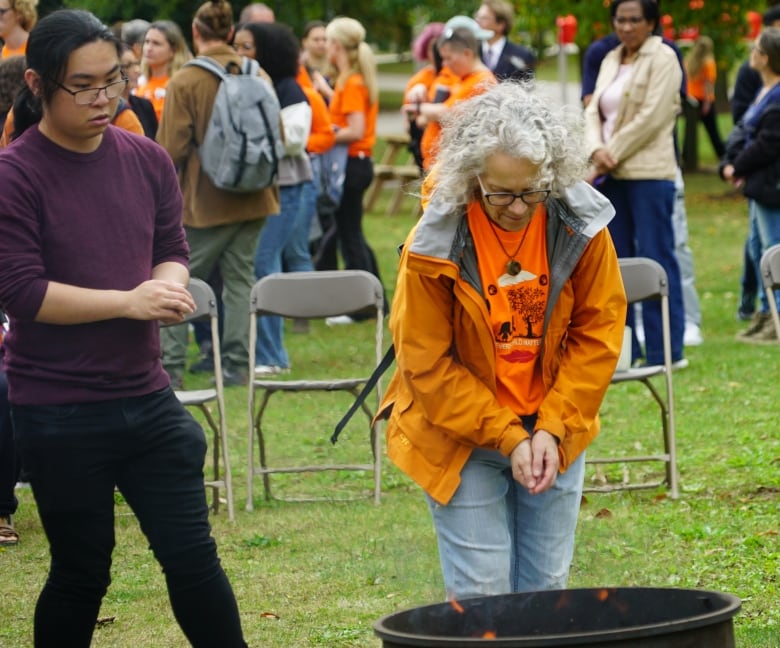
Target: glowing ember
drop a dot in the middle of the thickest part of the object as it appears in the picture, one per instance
(489, 635)
(602, 595)
(456, 606)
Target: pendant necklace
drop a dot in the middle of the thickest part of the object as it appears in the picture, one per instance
(513, 267)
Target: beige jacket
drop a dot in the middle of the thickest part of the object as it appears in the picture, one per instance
(642, 142)
(189, 99)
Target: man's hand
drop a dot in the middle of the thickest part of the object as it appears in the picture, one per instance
(162, 300)
(535, 462)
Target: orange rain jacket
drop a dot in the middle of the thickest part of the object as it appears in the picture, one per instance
(441, 401)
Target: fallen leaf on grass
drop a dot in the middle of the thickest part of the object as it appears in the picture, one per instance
(269, 615)
(604, 513)
(107, 620)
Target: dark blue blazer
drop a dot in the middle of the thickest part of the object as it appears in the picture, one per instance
(515, 62)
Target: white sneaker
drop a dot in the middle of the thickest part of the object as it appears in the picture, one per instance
(339, 320)
(270, 370)
(692, 335)
(682, 363)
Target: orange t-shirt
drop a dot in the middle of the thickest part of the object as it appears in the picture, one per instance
(469, 86)
(697, 86)
(8, 52)
(353, 97)
(154, 91)
(321, 136)
(128, 120)
(424, 76)
(516, 303)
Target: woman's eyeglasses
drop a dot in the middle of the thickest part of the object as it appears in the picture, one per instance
(89, 96)
(506, 198)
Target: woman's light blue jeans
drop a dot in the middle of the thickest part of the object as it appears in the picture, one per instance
(764, 233)
(269, 349)
(496, 538)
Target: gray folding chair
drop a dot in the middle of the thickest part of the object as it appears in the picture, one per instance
(312, 295)
(770, 276)
(645, 279)
(201, 399)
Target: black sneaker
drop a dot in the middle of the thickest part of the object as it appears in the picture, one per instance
(204, 365)
(233, 377)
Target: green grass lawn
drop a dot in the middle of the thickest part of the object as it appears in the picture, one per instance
(320, 574)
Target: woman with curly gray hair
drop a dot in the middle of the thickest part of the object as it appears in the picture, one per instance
(508, 321)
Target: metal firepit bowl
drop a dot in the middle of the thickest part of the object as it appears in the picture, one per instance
(622, 617)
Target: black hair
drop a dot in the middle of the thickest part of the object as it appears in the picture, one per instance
(276, 48)
(650, 9)
(651, 12)
(11, 81)
(771, 15)
(312, 24)
(49, 46)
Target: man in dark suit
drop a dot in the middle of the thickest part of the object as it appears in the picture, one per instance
(507, 60)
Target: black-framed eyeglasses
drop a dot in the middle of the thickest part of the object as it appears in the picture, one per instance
(506, 198)
(88, 96)
(622, 21)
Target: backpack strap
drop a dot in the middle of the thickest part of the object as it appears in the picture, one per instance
(209, 64)
(383, 366)
(248, 66)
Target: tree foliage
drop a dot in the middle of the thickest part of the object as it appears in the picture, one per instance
(391, 24)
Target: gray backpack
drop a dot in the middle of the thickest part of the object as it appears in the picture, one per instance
(243, 142)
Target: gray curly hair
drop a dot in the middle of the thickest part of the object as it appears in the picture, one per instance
(512, 119)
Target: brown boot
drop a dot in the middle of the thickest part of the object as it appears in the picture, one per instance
(767, 334)
(8, 534)
(758, 323)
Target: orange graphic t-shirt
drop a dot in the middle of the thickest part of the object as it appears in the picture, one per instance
(516, 303)
(154, 91)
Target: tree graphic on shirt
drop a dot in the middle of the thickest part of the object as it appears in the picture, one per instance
(528, 303)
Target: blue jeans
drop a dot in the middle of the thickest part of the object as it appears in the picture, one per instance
(152, 450)
(296, 256)
(764, 233)
(269, 349)
(643, 227)
(495, 538)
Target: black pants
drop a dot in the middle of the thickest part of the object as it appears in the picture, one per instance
(9, 465)
(347, 236)
(153, 451)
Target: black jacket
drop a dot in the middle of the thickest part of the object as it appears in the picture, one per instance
(757, 161)
(515, 62)
(144, 110)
